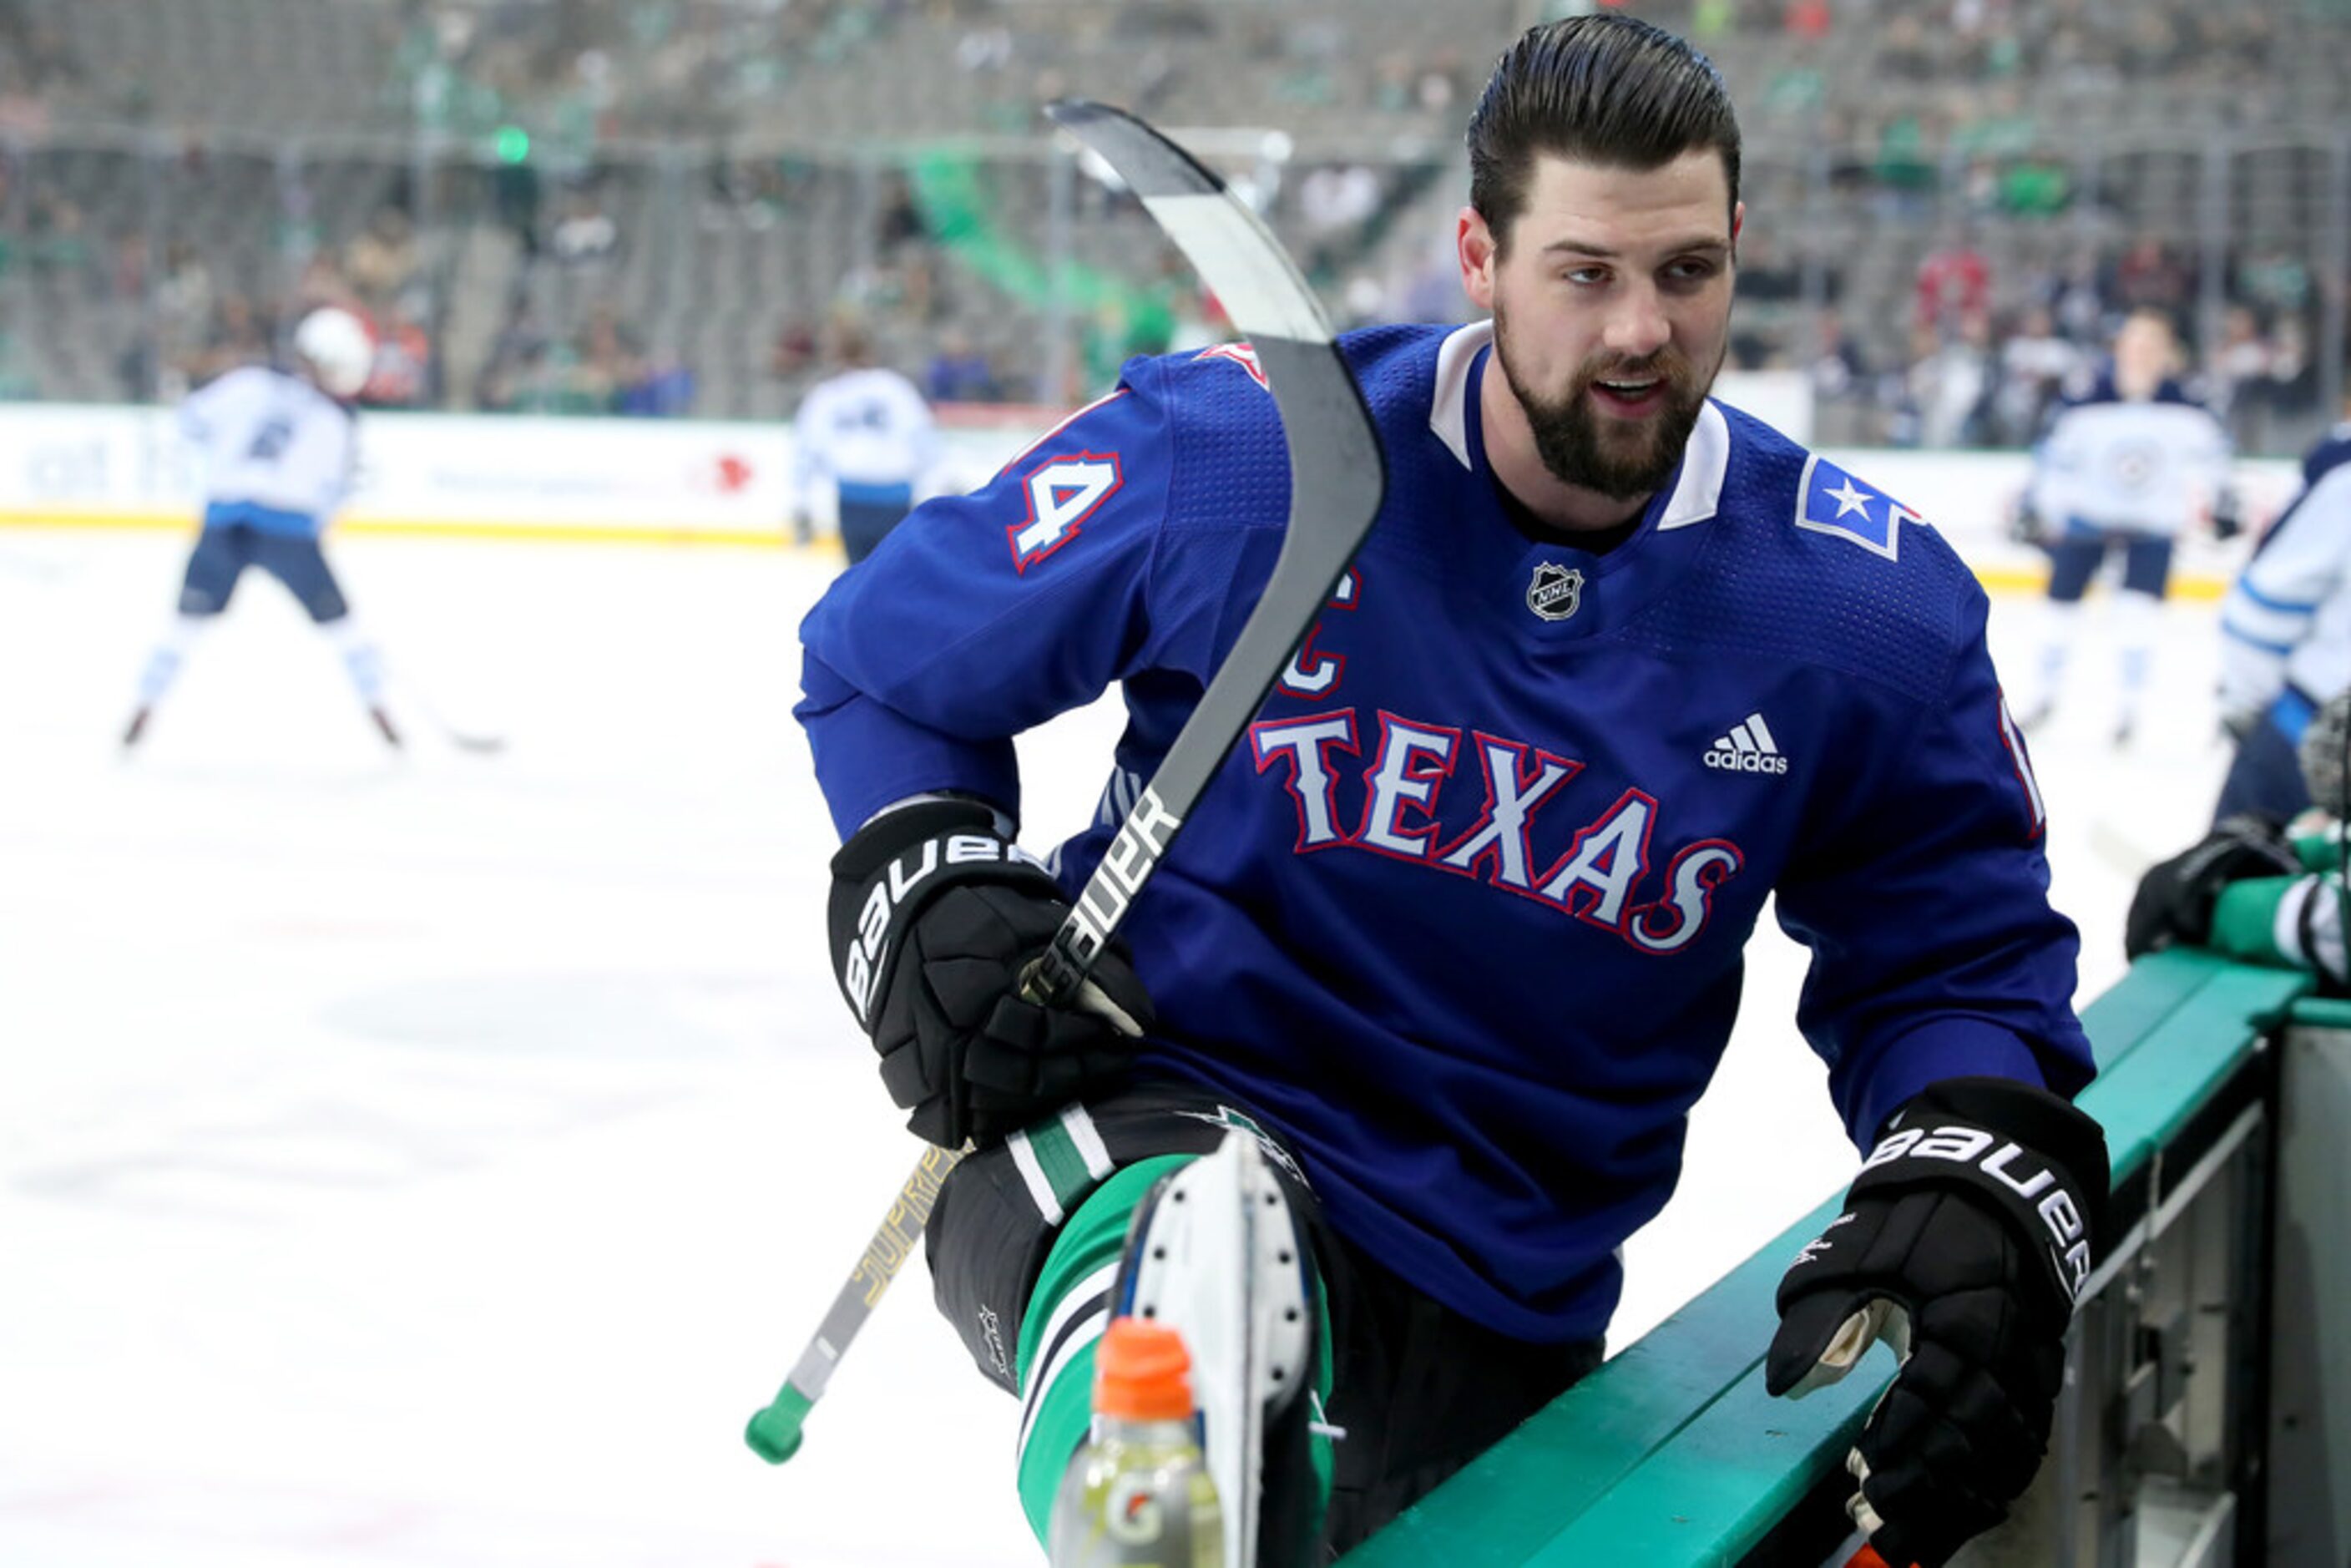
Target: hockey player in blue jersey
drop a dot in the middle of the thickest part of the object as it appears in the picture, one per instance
(279, 450)
(1452, 943)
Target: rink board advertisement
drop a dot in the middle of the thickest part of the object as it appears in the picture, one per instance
(452, 474)
(708, 481)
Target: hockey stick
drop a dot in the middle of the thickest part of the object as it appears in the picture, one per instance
(1338, 477)
(481, 743)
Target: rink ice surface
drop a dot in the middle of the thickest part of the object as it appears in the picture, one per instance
(432, 1160)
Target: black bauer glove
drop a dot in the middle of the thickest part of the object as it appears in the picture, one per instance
(1965, 1243)
(2175, 899)
(934, 919)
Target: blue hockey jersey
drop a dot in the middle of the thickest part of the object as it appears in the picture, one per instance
(1462, 915)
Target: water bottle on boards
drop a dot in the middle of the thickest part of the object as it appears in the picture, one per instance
(1138, 1493)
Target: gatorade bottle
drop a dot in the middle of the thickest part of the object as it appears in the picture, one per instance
(1139, 1493)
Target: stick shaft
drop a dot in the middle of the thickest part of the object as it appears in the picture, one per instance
(894, 1241)
(1338, 481)
(774, 1433)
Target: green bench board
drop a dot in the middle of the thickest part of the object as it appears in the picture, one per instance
(1568, 1457)
(2144, 1099)
(1672, 1453)
(2157, 987)
(2322, 1012)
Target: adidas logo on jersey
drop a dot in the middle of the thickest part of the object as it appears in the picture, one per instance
(1748, 748)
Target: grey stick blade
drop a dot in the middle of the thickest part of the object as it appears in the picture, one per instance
(1227, 244)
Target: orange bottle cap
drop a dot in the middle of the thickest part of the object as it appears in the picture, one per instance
(1142, 1372)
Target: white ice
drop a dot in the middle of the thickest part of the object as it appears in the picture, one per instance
(430, 1163)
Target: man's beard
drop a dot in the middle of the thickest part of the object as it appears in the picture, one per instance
(1634, 456)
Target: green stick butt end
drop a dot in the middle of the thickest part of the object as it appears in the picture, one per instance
(774, 1433)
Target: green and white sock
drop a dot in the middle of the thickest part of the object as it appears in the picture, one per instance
(1067, 1314)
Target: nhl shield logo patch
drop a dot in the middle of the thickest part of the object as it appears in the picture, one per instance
(1556, 591)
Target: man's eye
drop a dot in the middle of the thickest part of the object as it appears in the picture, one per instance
(1585, 275)
(1690, 271)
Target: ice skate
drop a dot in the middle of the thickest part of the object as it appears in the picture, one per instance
(1217, 1251)
(137, 727)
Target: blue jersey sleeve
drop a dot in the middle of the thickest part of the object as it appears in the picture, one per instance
(984, 615)
(1935, 951)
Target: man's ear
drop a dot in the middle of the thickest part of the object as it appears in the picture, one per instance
(1476, 249)
(1738, 222)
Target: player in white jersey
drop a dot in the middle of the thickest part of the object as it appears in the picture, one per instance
(2125, 469)
(279, 447)
(866, 431)
(2286, 629)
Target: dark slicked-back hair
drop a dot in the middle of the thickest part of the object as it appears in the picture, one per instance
(1608, 89)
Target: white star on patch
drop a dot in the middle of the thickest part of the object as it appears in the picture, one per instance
(1879, 537)
(1850, 499)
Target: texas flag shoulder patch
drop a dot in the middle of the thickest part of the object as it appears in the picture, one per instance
(1241, 354)
(1831, 501)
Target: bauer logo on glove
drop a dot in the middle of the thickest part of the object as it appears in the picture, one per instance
(2007, 1163)
(935, 919)
(904, 879)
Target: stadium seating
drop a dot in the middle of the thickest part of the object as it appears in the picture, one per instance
(755, 162)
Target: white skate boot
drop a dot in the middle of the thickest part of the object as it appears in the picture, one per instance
(1216, 1251)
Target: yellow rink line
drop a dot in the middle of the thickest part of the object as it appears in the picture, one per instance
(420, 528)
(1996, 579)
(2005, 581)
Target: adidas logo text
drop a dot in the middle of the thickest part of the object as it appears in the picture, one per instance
(1745, 763)
(1748, 748)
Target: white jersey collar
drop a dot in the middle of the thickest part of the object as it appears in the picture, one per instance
(1448, 415)
(1695, 495)
(1704, 461)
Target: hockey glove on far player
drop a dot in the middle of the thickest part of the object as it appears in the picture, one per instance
(935, 921)
(2228, 516)
(1964, 1243)
(2025, 526)
(2176, 898)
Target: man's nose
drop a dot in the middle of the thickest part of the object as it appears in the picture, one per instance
(1637, 327)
